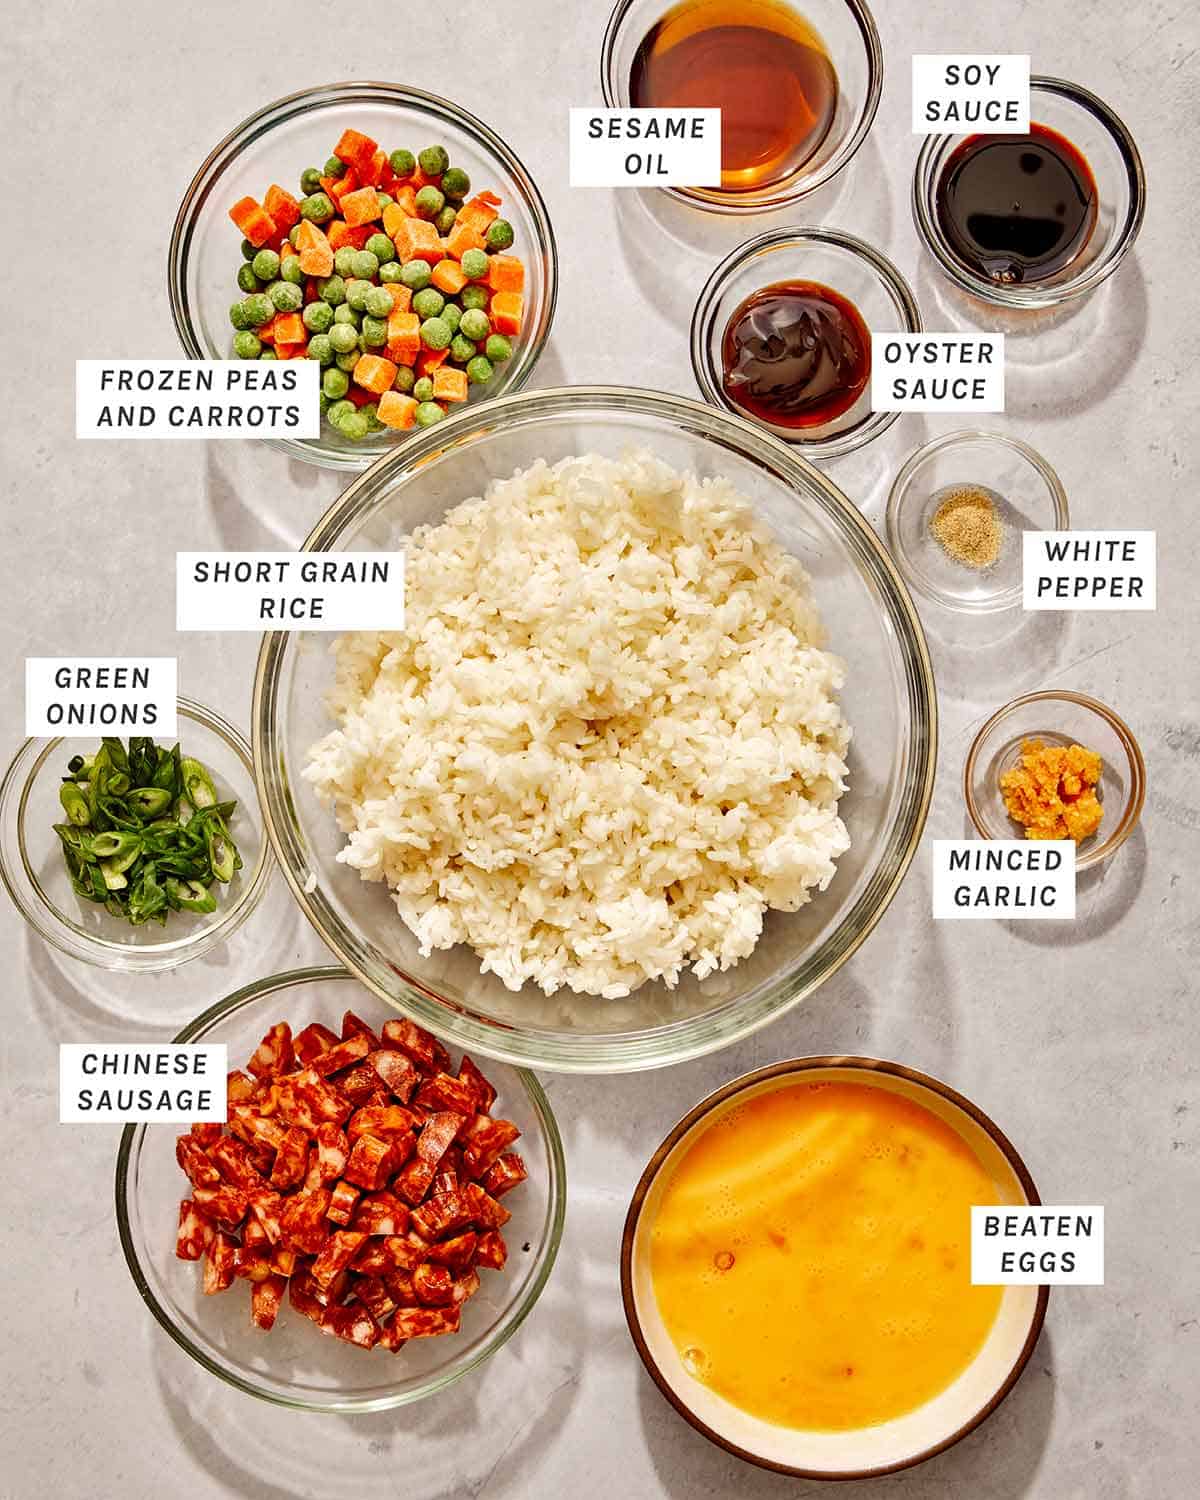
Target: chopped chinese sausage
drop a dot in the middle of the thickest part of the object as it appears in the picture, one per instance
(426, 1322)
(371, 1162)
(191, 1157)
(353, 1025)
(396, 1071)
(342, 1202)
(312, 1041)
(275, 1053)
(341, 1249)
(485, 1094)
(457, 1252)
(344, 1055)
(380, 1120)
(291, 1160)
(196, 1230)
(304, 1227)
(433, 1285)
(445, 1092)
(219, 1264)
(418, 1046)
(225, 1203)
(483, 1139)
(266, 1297)
(505, 1173)
(491, 1251)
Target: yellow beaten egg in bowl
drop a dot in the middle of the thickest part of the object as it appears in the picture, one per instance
(796, 1268)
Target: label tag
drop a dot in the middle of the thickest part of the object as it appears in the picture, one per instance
(156, 1083)
(1032, 878)
(1090, 570)
(953, 93)
(645, 148)
(197, 398)
(289, 590)
(1037, 1245)
(82, 694)
(937, 371)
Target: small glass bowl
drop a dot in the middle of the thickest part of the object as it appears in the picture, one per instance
(833, 258)
(275, 145)
(854, 1453)
(294, 1365)
(848, 31)
(1026, 491)
(1057, 718)
(36, 877)
(1109, 149)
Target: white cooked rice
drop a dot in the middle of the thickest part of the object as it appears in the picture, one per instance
(607, 739)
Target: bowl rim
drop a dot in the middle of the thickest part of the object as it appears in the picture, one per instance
(1029, 296)
(1132, 811)
(132, 1134)
(25, 890)
(786, 1068)
(347, 92)
(965, 437)
(715, 200)
(790, 237)
(641, 1049)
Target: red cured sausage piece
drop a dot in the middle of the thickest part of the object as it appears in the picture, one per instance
(266, 1298)
(443, 1091)
(425, 1322)
(486, 1212)
(381, 1213)
(483, 1139)
(353, 1025)
(379, 1120)
(235, 1162)
(485, 1094)
(352, 1050)
(341, 1203)
(274, 1054)
(396, 1071)
(505, 1173)
(443, 1215)
(433, 1285)
(375, 1297)
(225, 1204)
(458, 1252)
(291, 1160)
(196, 1230)
(328, 1156)
(218, 1264)
(465, 1287)
(312, 1041)
(417, 1044)
(192, 1159)
(340, 1250)
(491, 1251)
(303, 1219)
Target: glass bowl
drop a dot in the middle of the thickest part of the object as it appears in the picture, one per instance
(837, 260)
(294, 1365)
(1058, 718)
(275, 145)
(889, 700)
(36, 877)
(1025, 490)
(852, 42)
(1109, 149)
(858, 1453)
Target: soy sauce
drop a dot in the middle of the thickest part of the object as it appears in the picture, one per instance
(761, 64)
(1016, 208)
(796, 354)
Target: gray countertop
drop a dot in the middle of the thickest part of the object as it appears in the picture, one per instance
(1081, 1041)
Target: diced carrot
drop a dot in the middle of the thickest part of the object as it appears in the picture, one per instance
(360, 206)
(359, 396)
(372, 169)
(375, 374)
(400, 294)
(505, 274)
(479, 212)
(290, 329)
(417, 239)
(430, 360)
(347, 183)
(420, 179)
(404, 338)
(449, 384)
(287, 250)
(449, 277)
(282, 207)
(396, 409)
(505, 311)
(253, 220)
(291, 351)
(316, 253)
(341, 235)
(463, 237)
(266, 332)
(406, 197)
(353, 147)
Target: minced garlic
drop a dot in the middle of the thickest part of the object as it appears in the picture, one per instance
(1051, 791)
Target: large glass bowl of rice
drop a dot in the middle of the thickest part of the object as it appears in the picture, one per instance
(650, 758)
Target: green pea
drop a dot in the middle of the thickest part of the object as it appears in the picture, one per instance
(455, 183)
(237, 316)
(379, 302)
(356, 294)
(344, 313)
(480, 370)
(247, 345)
(286, 297)
(343, 337)
(428, 303)
(259, 309)
(500, 234)
(474, 296)
(381, 248)
(475, 325)
(498, 348)
(404, 163)
(385, 200)
(444, 222)
(435, 334)
(416, 274)
(335, 167)
(249, 251)
(406, 379)
(429, 202)
(332, 289)
(343, 260)
(434, 160)
(246, 279)
(428, 413)
(318, 317)
(462, 349)
(310, 180)
(319, 347)
(289, 270)
(335, 383)
(452, 314)
(268, 353)
(374, 332)
(391, 270)
(371, 412)
(355, 426)
(293, 235)
(317, 208)
(365, 264)
(348, 360)
(266, 265)
(337, 409)
(423, 389)
(474, 264)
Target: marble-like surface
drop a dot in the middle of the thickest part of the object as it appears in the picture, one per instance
(1081, 1041)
